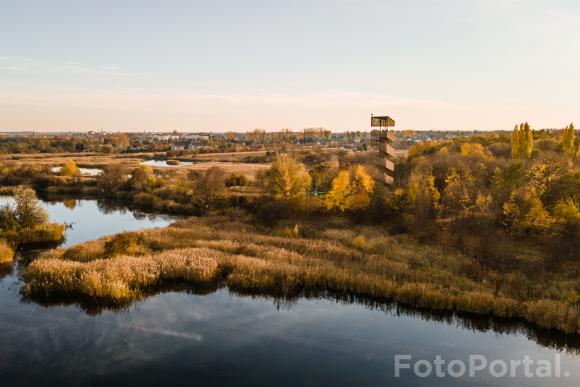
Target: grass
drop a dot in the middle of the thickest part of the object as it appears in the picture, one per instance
(43, 233)
(360, 261)
(6, 252)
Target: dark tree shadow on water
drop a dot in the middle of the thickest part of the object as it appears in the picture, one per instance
(6, 269)
(555, 340)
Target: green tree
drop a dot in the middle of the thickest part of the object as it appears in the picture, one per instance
(287, 178)
(210, 187)
(28, 211)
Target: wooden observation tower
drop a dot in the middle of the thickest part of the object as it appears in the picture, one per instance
(386, 151)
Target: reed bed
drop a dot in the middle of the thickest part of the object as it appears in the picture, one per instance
(364, 262)
(6, 252)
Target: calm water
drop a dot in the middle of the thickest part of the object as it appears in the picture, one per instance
(183, 338)
(163, 163)
(83, 171)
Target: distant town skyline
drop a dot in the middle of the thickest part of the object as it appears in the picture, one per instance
(137, 65)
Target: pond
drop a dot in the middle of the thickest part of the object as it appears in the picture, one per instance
(163, 163)
(83, 171)
(217, 337)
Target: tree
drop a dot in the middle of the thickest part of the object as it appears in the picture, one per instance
(122, 141)
(112, 178)
(569, 141)
(522, 142)
(28, 211)
(567, 211)
(424, 196)
(287, 178)
(69, 168)
(210, 187)
(515, 142)
(457, 195)
(351, 190)
(142, 178)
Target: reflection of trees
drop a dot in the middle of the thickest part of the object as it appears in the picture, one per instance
(139, 215)
(475, 323)
(6, 269)
(70, 203)
(107, 206)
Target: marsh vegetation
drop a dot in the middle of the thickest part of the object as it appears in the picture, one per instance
(486, 225)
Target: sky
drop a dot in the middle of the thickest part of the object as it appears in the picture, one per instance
(217, 65)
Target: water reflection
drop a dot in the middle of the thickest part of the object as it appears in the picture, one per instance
(6, 269)
(224, 338)
(70, 203)
(183, 335)
(471, 322)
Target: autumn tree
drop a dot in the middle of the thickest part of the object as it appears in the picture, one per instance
(143, 179)
(424, 196)
(457, 195)
(351, 190)
(122, 140)
(70, 169)
(569, 141)
(287, 178)
(522, 141)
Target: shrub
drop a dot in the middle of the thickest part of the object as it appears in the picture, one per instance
(172, 162)
(70, 169)
(236, 180)
(124, 243)
(114, 176)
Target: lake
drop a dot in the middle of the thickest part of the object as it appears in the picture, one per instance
(215, 337)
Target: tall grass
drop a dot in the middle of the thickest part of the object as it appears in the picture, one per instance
(360, 261)
(6, 252)
(41, 233)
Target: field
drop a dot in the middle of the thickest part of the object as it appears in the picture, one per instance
(228, 162)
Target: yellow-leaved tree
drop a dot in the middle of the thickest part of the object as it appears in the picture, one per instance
(287, 178)
(69, 168)
(351, 190)
(522, 142)
(569, 141)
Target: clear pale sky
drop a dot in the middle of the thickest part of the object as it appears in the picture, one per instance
(216, 65)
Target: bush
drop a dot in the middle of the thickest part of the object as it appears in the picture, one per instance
(236, 180)
(70, 169)
(172, 162)
(123, 244)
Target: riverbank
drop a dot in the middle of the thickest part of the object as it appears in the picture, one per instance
(361, 261)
